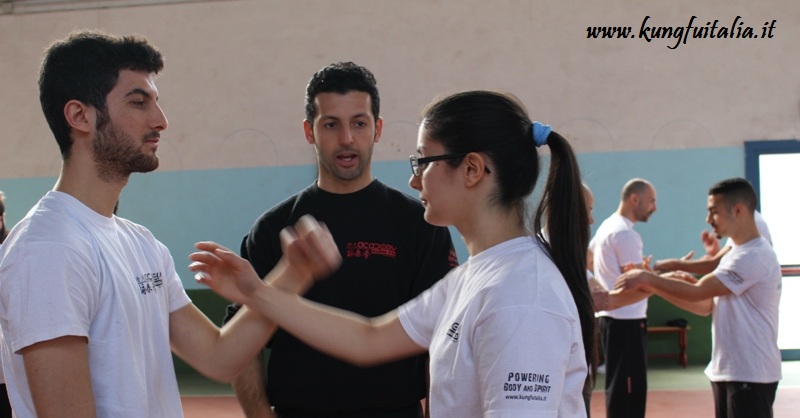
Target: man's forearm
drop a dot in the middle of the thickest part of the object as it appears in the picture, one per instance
(701, 308)
(619, 299)
(700, 266)
(251, 392)
(221, 354)
(680, 293)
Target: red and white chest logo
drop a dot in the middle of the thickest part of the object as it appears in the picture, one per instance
(365, 250)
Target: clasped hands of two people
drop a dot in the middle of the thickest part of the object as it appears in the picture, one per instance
(309, 253)
(636, 278)
(639, 279)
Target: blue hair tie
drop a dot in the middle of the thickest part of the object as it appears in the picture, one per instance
(540, 133)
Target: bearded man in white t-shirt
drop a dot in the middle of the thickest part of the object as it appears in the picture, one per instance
(616, 245)
(91, 305)
(742, 294)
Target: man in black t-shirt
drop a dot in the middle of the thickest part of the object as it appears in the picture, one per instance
(390, 255)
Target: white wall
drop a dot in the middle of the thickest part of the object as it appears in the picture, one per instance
(236, 72)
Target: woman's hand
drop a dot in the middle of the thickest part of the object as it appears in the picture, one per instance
(309, 253)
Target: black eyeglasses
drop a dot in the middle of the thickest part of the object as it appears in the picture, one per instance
(419, 164)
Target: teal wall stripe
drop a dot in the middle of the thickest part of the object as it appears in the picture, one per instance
(187, 206)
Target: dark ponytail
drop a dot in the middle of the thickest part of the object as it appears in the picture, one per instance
(3, 231)
(563, 210)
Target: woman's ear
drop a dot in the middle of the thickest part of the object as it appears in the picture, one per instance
(475, 168)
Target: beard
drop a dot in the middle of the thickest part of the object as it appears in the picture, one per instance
(117, 154)
(642, 214)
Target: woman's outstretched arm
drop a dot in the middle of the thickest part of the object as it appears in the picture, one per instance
(353, 338)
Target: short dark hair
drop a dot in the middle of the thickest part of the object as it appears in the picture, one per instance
(635, 186)
(735, 190)
(85, 66)
(342, 78)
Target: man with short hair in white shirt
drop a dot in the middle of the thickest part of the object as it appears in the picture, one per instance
(624, 330)
(742, 294)
(91, 307)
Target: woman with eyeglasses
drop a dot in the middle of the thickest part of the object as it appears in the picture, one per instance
(510, 332)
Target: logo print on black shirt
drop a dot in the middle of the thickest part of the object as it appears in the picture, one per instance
(363, 249)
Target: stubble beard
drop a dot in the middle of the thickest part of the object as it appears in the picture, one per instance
(347, 174)
(117, 154)
(643, 215)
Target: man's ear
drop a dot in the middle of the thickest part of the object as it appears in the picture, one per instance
(378, 129)
(308, 129)
(474, 168)
(737, 209)
(80, 116)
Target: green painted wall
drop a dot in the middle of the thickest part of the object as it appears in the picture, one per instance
(698, 338)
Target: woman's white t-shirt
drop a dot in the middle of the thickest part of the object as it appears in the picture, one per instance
(504, 337)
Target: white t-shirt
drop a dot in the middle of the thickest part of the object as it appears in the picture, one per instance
(67, 270)
(504, 337)
(614, 245)
(2, 379)
(761, 224)
(745, 323)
